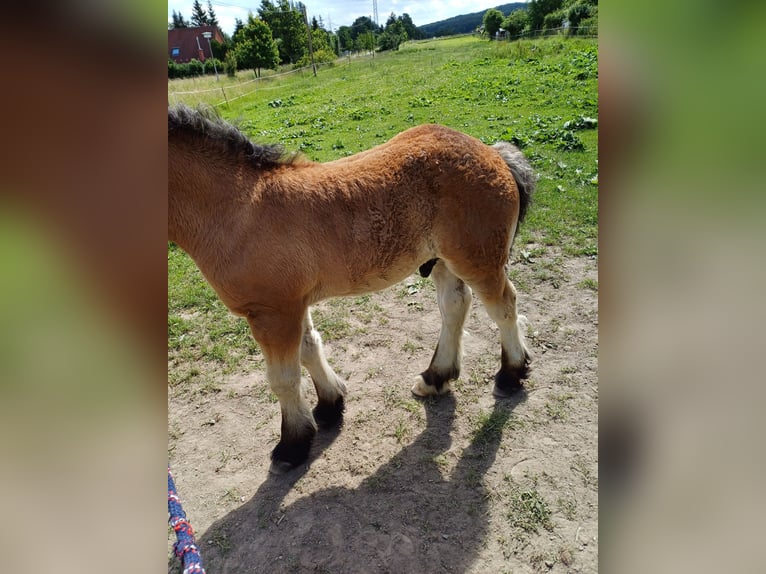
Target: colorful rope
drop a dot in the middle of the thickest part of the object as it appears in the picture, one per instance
(185, 547)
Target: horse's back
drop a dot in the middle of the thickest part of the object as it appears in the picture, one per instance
(428, 192)
(364, 222)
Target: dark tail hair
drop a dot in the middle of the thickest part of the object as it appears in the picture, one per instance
(522, 172)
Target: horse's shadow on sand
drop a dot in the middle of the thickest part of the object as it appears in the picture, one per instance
(405, 518)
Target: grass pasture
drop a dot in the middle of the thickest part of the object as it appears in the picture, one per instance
(534, 93)
(465, 484)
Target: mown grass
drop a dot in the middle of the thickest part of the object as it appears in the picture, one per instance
(540, 94)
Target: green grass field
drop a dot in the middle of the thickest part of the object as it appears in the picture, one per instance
(540, 94)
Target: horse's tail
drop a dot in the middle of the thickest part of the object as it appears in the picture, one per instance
(522, 172)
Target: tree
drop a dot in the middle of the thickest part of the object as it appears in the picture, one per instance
(230, 64)
(345, 38)
(515, 23)
(493, 20)
(365, 41)
(579, 13)
(179, 21)
(413, 33)
(238, 25)
(254, 46)
(538, 9)
(320, 40)
(393, 35)
(287, 27)
(588, 25)
(554, 20)
(199, 16)
(322, 45)
(219, 49)
(212, 19)
(361, 25)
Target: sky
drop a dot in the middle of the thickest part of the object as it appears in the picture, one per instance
(344, 12)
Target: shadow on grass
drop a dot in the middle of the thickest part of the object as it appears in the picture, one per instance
(406, 517)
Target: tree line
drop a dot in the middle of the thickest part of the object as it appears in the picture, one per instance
(464, 23)
(277, 34)
(200, 17)
(542, 16)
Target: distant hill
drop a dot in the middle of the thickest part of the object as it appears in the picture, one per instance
(465, 23)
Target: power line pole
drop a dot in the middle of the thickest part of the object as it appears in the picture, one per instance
(308, 29)
(375, 11)
(333, 35)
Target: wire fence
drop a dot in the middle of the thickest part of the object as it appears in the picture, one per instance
(233, 91)
(568, 31)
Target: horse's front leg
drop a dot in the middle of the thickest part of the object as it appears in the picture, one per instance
(279, 335)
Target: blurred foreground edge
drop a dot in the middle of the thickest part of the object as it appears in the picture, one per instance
(83, 243)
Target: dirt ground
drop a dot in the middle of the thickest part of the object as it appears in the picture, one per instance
(463, 483)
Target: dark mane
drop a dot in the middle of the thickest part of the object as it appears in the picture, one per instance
(206, 124)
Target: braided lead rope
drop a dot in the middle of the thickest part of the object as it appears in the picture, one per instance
(185, 547)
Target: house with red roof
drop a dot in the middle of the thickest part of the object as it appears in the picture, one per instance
(185, 44)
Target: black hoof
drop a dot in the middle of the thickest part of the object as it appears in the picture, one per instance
(438, 378)
(508, 379)
(330, 415)
(506, 390)
(292, 450)
(280, 467)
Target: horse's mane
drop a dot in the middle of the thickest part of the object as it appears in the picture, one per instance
(206, 124)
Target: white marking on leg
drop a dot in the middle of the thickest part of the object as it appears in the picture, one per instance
(454, 299)
(328, 385)
(284, 377)
(511, 326)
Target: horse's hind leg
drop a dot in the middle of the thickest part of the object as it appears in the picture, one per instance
(499, 297)
(454, 298)
(330, 388)
(279, 335)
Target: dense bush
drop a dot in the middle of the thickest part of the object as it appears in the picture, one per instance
(322, 56)
(178, 70)
(583, 19)
(230, 64)
(493, 20)
(554, 20)
(193, 68)
(539, 10)
(196, 68)
(589, 27)
(577, 13)
(212, 64)
(515, 23)
(172, 69)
